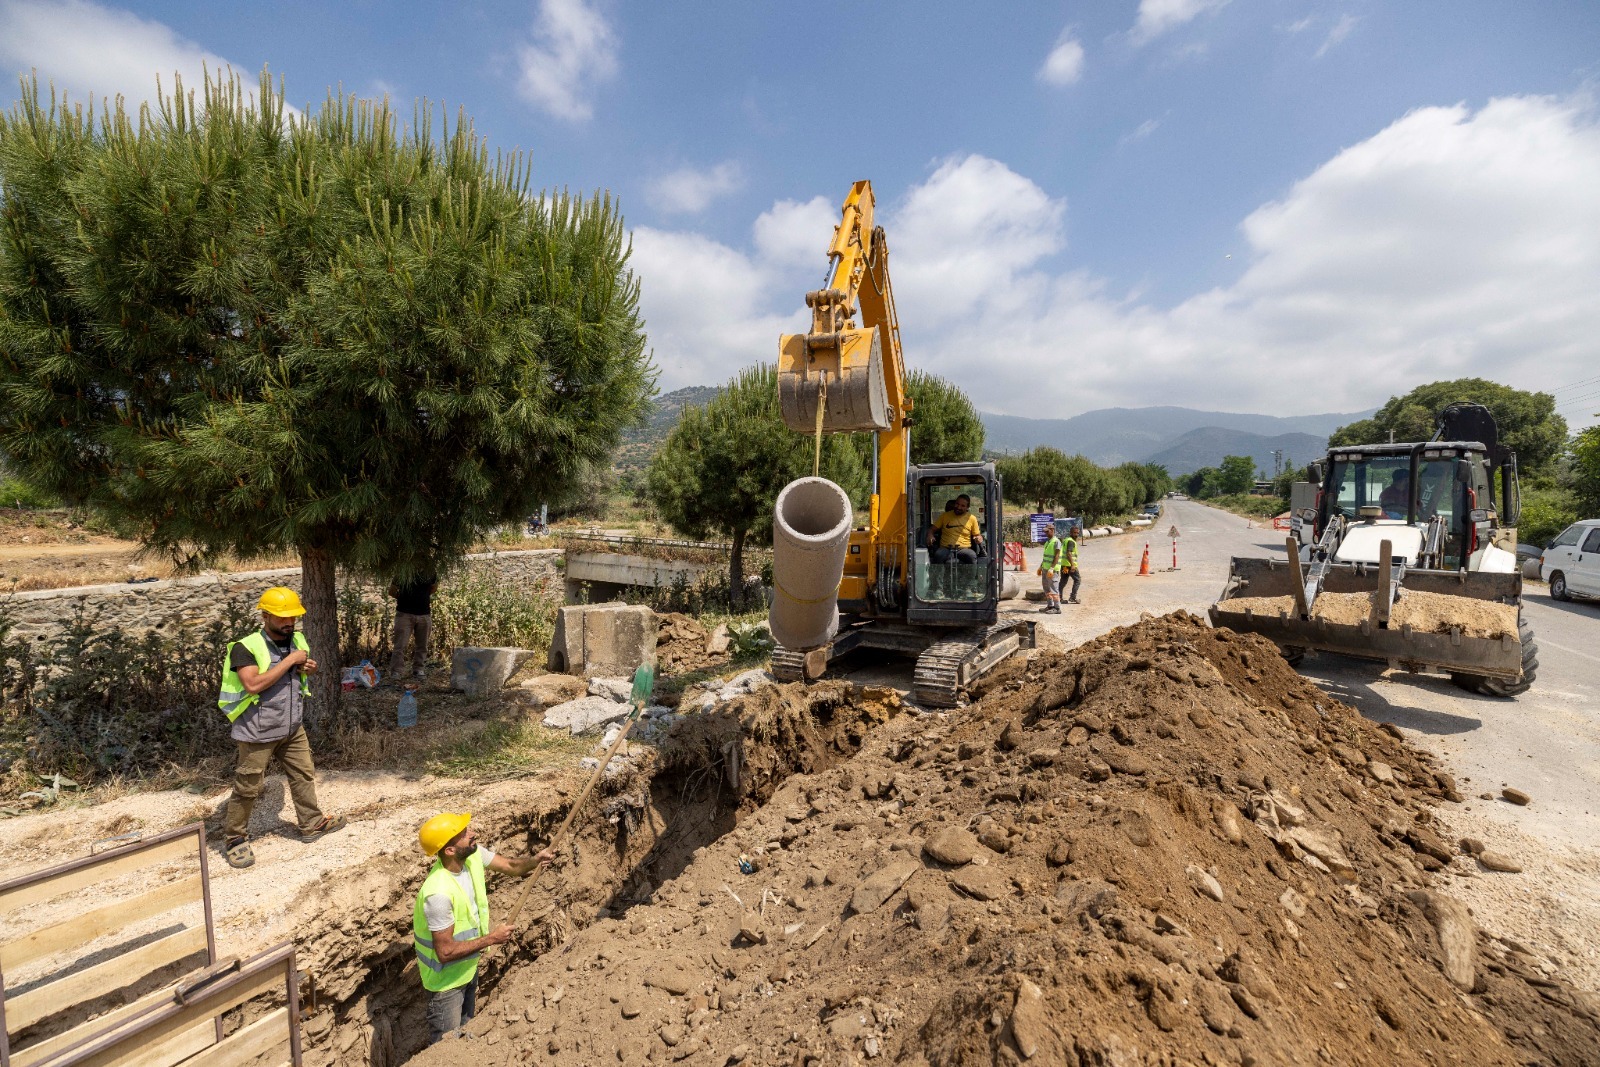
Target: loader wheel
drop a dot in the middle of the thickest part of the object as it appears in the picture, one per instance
(1500, 687)
(1558, 587)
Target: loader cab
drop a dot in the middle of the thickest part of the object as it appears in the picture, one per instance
(949, 583)
(1410, 485)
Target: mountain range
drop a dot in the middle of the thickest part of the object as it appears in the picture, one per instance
(1180, 439)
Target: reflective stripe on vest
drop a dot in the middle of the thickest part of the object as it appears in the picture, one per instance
(233, 698)
(437, 975)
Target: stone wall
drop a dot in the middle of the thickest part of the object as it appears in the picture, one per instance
(182, 603)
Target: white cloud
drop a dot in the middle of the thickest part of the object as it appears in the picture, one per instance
(690, 190)
(85, 48)
(1300, 25)
(1141, 131)
(572, 51)
(1453, 243)
(1158, 16)
(795, 234)
(1064, 64)
(1340, 31)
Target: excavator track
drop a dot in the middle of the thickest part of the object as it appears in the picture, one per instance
(788, 665)
(946, 667)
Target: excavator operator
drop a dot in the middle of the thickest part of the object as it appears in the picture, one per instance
(955, 533)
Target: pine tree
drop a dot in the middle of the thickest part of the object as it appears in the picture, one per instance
(721, 468)
(238, 330)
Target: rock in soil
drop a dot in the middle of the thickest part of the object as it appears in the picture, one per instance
(1516, 796)
(1083, 943)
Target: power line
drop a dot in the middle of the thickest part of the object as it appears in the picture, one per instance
(1571, 385)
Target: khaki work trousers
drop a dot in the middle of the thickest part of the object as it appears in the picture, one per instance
(294, 756)
(405, 628)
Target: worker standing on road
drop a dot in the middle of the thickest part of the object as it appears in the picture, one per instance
(1069, 562)
(265, 683)
(1050, 571)
(451, 912)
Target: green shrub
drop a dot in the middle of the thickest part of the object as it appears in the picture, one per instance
(1545, 513)
(16, 493)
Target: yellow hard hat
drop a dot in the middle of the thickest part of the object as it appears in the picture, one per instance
(437, 831)
(281, 601)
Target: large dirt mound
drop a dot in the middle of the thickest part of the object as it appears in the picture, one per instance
(1161, 848)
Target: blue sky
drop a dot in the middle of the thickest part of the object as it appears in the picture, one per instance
(1264, 205)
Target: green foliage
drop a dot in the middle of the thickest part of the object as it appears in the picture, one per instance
(1152, 478)
(100, 700)
(1546, 512)
(1204, 483)
(945, 427)
(243, 331)
(1283, 484)
(1585, 473)
(1236, 475)
(1528, 421)
(16, 493)
(1045, 476)
(1261, 507)
(719, 472)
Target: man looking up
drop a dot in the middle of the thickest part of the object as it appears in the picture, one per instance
(451, 913)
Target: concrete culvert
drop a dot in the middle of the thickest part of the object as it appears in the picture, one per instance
(810, 534)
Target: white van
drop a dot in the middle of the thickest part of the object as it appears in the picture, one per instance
(1571, 563)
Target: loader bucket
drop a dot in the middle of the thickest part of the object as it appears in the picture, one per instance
(851, 363)
(1399, 644)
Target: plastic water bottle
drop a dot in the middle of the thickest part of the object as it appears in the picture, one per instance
(406, 716)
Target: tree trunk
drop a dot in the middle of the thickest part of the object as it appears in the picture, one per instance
(321, 623)
(736, 572)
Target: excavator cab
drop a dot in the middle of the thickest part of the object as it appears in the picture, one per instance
(954, 518)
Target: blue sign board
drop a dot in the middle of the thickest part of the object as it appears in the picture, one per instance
(1040, 527)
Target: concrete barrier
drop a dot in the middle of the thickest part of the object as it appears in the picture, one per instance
(602, 639)
(810, 532)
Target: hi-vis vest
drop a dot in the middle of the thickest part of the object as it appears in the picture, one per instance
(1069, 552)
(1052, 556)
(233, 699)
(438, 976)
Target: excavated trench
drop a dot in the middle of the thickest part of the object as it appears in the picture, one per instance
(643, 826)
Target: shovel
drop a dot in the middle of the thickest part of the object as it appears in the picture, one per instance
(644, 683)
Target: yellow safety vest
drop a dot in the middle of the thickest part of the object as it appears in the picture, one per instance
(1052, 556)
(437, 976)
(1069, 549)
(234, 699)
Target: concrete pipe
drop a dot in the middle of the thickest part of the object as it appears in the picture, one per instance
(1010, 586)
(810, 534)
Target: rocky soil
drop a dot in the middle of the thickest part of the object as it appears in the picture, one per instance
(1162, 847)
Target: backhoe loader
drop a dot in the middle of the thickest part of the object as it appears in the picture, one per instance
(897, 591)
(1413, 537)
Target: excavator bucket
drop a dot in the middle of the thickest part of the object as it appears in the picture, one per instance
(844, 371)
(1261, 598)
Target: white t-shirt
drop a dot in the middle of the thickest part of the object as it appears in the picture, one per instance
(439, 912)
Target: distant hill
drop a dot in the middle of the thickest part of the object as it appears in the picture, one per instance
(639, 443)
(1206, 446)
(1117, 435)
(1181, 439)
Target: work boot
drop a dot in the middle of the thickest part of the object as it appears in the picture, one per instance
(1073, 600)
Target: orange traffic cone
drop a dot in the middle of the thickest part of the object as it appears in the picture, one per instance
(1144, 564)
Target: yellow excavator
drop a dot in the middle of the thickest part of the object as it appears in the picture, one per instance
(898, 590)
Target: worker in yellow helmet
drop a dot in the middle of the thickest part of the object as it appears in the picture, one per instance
(451, 915)
(265, 683)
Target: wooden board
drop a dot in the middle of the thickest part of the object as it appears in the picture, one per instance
(250, 1043)
(102, 978)
(133, 1046)
(48, 940)
(50, 1046)
(49, 888)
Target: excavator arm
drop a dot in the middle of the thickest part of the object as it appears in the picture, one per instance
(842, 377)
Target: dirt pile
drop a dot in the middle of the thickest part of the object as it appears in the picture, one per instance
(683, 645)
(1437, 613)
(1163, 847)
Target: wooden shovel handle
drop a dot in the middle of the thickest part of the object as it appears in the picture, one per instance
(572, 813)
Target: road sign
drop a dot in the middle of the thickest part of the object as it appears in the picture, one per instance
(1173, 533)
(1041, 526)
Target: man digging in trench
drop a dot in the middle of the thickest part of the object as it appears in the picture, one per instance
(265, 683)
(451, 911)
